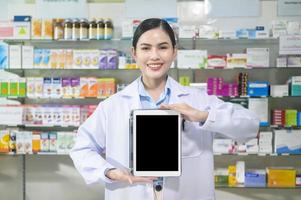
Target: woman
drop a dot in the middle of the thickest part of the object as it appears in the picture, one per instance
(106, 131)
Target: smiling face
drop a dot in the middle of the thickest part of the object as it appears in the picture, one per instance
(154, 54)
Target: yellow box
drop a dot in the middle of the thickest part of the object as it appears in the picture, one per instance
(232, 175)
(278, 177)
(4, 141)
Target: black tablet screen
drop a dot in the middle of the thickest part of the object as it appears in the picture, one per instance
(157, 143)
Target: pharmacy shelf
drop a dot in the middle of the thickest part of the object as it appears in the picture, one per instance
(257, 154)
(255, 188)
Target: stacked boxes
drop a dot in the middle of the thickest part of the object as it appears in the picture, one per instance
(215, 86)
(258, 88)
(265, 142)
(278, 117)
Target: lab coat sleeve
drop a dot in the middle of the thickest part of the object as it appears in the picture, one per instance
(231, 120)
(89, 145)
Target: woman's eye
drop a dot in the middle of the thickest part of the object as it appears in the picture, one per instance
(164, 47)
(145, 48)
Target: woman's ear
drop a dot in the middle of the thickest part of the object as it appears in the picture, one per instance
(175, 52)
(133, 53)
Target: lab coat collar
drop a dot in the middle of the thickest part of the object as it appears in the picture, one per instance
(176, 89)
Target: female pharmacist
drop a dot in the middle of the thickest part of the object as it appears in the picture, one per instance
(107, 129)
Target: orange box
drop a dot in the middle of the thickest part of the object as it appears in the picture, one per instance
(93, 87)
(36, 142)
(281, 177)
(84, 87)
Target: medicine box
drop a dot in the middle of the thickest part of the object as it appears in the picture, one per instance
(296, 86)
(278, 177)
(288, 142)
(255, 178)
(258, 88)
(279, 90)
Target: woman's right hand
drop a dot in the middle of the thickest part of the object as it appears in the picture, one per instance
(126, 176)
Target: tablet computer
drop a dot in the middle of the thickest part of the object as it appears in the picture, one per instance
(156, 143)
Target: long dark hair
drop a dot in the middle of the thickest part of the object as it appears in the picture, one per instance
(153, 23)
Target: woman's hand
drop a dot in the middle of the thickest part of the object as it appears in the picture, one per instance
(126, 176)
(189, 113)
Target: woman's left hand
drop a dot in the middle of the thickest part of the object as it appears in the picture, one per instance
(188, 113)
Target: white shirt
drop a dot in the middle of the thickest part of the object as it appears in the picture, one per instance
(107, 131)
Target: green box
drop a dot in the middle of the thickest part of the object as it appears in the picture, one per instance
(291, 117)
(4, 88)
(13, 88)
(22, 88)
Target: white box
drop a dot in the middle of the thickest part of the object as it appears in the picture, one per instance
(194, 59)
(240, 172)
(293, 28)
(258, 57)
(279, 90)
(127, 29)
(15, 57)
(222, 146)
(260, 107)
(27, 57)
(264, 135)
(227, 34)
(261, 34)
(294, 61)
(187, 31)
(281, 61)
(22, 30)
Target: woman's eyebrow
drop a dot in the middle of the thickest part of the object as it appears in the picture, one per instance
(147, 44)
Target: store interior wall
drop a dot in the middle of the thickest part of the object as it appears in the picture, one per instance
(54, 177)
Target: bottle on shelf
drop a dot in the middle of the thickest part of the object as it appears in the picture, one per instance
(68, 29)
(75, 29)
(100, 29)
(83, 30)
(93, 30)
(108, 30)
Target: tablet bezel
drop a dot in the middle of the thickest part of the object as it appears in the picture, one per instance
(149, 112)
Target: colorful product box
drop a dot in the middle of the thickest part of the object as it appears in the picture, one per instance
(291, 117)
(36, 142)
(287, 142)
(4, 141)
(278, 117)
(236, 60)
(294, 61)
(36, 29)
(112, 59)
(232, 175)
(217, 61)
(44, 142)
(255, 178)
(76, 87)
(258, 88)
(221, 177)
(295, 86)
(47, 87)
(56, 91)
(3, 55)
(66, 87)
(6, 29)
(22, 87)
(4, 87)
(52, 141)
(22, 27)
(13, 88)
(278, 177)
(47, 30)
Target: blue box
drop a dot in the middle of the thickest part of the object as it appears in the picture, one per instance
(242, 34)
(3, 55)
(22, 18)
(255, 178)
(251, 33)
(299, 119)
(258, 88)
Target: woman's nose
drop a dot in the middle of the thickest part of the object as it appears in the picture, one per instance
(154, 54)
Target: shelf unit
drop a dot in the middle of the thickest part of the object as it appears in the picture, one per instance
(43, 162)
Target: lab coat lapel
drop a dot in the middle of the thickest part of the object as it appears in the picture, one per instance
(131, 93)
(177, 92)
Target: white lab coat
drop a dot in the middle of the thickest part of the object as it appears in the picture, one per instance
(106, 131)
